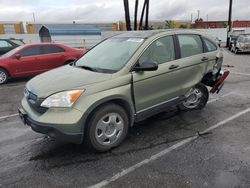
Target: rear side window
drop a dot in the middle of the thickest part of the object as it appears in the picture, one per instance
(160, 51)
(31, 51)
(190, 45)
(210, 45)
(49, 49)
(4, 44)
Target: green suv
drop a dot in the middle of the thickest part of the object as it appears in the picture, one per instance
(122, 80)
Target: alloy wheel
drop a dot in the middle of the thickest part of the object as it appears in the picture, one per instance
(3, 77)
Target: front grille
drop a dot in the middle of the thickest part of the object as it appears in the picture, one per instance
(35, 102)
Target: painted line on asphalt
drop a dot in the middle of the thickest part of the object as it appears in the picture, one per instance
(165, 151)
(5, 117)
(239, 73)
(11, 86)
(218, 98)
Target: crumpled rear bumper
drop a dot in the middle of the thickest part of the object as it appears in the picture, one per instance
(220, 81)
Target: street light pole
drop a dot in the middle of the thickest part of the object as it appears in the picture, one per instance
(229, 21)
(34, 18)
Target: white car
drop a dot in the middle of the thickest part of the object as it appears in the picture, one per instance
(241, 44)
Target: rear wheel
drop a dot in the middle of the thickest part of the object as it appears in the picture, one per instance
(107, 128)
(197, 99)
(3, 76)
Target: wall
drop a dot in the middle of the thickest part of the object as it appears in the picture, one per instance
(89, 41)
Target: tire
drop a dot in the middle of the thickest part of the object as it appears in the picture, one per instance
(197, 99)
(4, 76)
(107, 128)
(235, 51)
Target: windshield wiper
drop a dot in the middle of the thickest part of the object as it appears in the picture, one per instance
(88, 68)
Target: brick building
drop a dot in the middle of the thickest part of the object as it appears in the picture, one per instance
(219, 24)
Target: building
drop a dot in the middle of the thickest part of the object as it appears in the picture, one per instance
(11, 28)
(35, 27)
(241, 23)
(218, 24)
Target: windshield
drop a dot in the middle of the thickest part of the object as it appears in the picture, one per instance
(246, 38)
(18, 42)
(11, 52)
(111, 55)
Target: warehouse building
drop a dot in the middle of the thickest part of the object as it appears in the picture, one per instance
(33, 28)
(11, 28)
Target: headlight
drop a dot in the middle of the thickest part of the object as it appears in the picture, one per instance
(62, 99)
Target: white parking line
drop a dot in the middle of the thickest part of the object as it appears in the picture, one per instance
(12, 115)
(218, 98)
(165, 151)
(241, 74)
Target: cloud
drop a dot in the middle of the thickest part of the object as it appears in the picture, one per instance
(112, 10)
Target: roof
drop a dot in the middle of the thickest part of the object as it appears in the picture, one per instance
(139, 34)
(70, 29)
(149, 33)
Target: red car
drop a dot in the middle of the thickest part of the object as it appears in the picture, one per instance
(32, 59)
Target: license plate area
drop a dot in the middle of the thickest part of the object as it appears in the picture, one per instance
(23, 116)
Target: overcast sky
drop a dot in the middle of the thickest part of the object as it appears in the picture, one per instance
(112, 10)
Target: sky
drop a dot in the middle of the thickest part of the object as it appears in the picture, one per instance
(113, 10)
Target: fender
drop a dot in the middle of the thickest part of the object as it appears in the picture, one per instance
(117, 99)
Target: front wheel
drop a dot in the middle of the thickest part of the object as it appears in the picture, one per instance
(107, 127)
(3, 76)
(197, 99)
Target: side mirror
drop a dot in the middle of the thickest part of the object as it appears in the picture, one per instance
(146, 66)
(17, 56)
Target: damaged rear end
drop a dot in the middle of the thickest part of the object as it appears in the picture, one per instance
(217, 76)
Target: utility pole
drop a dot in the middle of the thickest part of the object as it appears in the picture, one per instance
(147, 12)
(229, 21)
(127, 16)
(135, 18)
(142, 15)
(207, 22)
(34, 19)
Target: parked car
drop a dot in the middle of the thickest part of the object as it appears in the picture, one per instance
(241, 44)
(233, 36)
(32, 59)
(9, 44)
(124, 79)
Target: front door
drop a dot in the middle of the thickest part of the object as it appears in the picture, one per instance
(27, 64)
(153, 89)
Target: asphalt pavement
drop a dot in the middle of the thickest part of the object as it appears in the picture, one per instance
(206, 148)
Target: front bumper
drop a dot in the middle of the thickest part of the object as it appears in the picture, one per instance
(69, 134)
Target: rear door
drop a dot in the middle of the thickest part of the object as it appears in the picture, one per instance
(193, 60)
(52, 57)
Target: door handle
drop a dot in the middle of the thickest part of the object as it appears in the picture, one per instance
(204, 59)
(173, 67)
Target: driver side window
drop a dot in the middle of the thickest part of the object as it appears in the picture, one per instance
(31, 51)
(160, 51)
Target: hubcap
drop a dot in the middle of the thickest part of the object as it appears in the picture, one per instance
(193, 99)
(3, 77)
(109, 129)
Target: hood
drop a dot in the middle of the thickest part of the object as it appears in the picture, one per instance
(62, 79)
